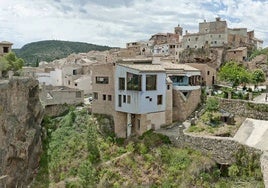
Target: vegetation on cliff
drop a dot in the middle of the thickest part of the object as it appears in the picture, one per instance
(255, 53)
(78, 154)
(50, 50)
(10, 62)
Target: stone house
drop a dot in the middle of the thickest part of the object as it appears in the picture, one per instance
(257, 43)
(140, 48)
(74, 74)
(5, 47)
(237, 37)
(208, 74)
(211, 34)
(217, 34)
(142, 95)
(134, 46)
(54, 95)
(166, 49)
(237, 54)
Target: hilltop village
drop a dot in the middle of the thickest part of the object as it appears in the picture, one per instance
(168, 85)
(149, 83)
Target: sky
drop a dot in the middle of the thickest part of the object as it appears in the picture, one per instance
(116, 22)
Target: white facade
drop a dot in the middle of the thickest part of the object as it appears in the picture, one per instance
(51, 78)
(161, 49)
(143, 101)
(84, 83)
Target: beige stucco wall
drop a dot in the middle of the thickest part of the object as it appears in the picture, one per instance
(184, 106)
(99, 105)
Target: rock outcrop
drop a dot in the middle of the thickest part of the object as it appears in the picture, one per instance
(21, 114)
(259, 62)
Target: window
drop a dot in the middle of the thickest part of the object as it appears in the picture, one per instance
(138, 123)
(78, 94)
(121, 83)
(151, 82)
(215, 42)
(104, 97)
(5, 49)
(75, 84)
(102, 80)
(109, 97)
(159, 99)
(74, 72)
(69, 82)
(196, 38)
(208, 72)
(95, 95)
(133, 82)
(168, 87)
(219, 36)
(128, 99)
(124, 98)
(177, 79)
(119, 100)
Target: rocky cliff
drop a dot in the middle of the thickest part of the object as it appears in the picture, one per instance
(211, 56)
(20, 132)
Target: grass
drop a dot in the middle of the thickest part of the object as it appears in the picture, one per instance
(223, 129)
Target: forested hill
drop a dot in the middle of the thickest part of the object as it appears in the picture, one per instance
(50, 50)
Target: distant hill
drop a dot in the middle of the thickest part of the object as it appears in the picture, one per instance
(50, 50)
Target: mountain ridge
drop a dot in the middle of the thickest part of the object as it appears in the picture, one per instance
(49, 50)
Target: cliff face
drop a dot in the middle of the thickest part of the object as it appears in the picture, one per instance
(20, 132)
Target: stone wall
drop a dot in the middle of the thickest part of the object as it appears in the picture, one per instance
(183, 106)
(245, 108)
(21, 114)
(221, 149)
(56, 110)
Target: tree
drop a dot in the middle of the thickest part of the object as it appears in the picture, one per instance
(212, 104)
(258, 76)
(234, 73)
(4, 65)
(14, 62)
(10, 62)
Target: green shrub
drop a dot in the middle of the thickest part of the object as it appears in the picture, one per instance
(233, 171)
(87, 174)
(212, 104)
(141, 148)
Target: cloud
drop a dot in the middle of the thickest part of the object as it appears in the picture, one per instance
(115, 22)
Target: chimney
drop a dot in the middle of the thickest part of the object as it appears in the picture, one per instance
(218, 19)
(186, 32)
